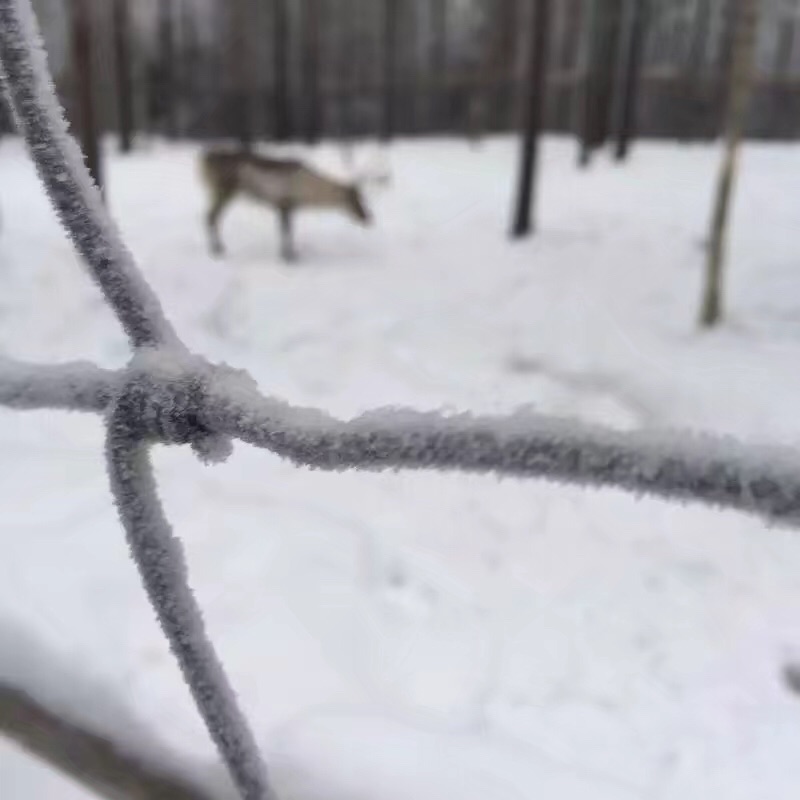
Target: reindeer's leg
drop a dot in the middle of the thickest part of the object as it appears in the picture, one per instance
(288, 252)
(222, 197)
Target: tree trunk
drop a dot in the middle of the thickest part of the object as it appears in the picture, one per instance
(191, 71)
(166, 87)
(311, 49)
(730, 15)
(695, 73)
(784, 49)
(635, 37)
(698, 45)
(390, 20)
(280, 67)
(534, 113)
(124, 83)
(439, 56)
(740, 83)
(241, 72)
(345, 77)
(602, 53)
(497, 94)
(84, 84)
(585, 86)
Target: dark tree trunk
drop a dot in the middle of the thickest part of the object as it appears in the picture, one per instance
(570, 42)
(165, 87)
(122, 58)
(534, 113)
(439, 88)
(389, 58)
(410, 76)
(82, 55)
(280, 67)
(311, 49)
(740, 82)
(785, 47)
(499, 85)
(241, 72)
(694, 73)
(585, 84)
(635, 37)
(191, 69)
(699, 38)
(724, 64)
(344, 72)
(602, 60)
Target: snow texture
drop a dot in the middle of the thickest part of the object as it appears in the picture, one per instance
(575, 643)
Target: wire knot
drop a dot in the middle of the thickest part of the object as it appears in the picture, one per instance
(162, 399)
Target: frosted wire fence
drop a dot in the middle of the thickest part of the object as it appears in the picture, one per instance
(168, 395)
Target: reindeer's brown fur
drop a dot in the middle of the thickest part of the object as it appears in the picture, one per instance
(284, 184)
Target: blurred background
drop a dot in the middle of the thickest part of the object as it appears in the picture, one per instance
(312, 69)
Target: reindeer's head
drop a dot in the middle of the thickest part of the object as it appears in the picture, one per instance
(356, 206)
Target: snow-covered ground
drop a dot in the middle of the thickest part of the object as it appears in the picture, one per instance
(417, 635)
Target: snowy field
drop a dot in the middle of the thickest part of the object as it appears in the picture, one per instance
(419, 636)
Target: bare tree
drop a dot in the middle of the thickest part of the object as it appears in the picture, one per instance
(438, 63)
(601, 58)
(83, 57)
(122, 54)
(499, 87)
(740, 82)
(190, 77)
(693, 72)
(166, 76)
(311, 52)
(785, 45)
(240, 71)
(344, 77)
(634, 41)
(280, 111)
(389, 57)
(534, 113)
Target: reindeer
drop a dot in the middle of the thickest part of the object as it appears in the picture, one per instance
(286, 185)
